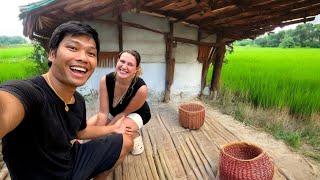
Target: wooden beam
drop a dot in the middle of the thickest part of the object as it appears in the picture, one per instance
(170, 63)
(95, 7)
(255, 9)
(279, 15)
(189, 41)
(111, 7)
(138, 26)
(198, 8)
(158, 5)
(302, 20)
(205, 67)
(219, 56)
(242, 2)
(282, 6)
(120, 33)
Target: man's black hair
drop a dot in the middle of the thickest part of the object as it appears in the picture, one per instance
(72, 28)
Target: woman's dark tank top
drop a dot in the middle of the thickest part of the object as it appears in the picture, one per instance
(143, 111)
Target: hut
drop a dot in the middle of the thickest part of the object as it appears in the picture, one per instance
(177, 39)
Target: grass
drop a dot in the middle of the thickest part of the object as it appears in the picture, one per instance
(275, 77)
(15, 63)
(12, 54)
(276, 90)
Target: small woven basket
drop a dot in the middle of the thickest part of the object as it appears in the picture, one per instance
(191, 115)
(241, 160)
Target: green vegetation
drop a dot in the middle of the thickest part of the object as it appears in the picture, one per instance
(275, 77)
(11, 40)
(16, 63)
(15, 53)
(304, 35)
(277, 90)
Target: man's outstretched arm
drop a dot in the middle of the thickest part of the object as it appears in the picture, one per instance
(94, 131)
(11, 112)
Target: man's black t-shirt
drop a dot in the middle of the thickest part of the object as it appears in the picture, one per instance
(143, 111)
(39, 147)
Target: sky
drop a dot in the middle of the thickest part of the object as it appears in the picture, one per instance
(12, 26)
(9, 17)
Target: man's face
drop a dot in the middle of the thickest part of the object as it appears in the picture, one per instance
(74, 60)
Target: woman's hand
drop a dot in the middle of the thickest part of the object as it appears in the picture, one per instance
(119, 127)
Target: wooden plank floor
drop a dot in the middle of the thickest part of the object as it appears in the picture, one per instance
(172, 152)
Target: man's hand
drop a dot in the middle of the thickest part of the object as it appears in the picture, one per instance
(131, 127)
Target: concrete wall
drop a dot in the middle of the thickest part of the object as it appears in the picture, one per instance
(151, 46)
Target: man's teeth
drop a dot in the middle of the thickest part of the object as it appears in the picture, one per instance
(78, 69)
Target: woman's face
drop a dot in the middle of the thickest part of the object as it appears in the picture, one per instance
(126, 67)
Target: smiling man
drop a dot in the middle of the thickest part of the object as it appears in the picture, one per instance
(40, 117)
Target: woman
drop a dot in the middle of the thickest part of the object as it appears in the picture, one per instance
(124, 93)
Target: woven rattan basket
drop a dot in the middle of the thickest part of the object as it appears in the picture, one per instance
(245, 161)
(191, 115)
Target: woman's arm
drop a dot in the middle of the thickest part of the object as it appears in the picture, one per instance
(102, 117)
(136, 102)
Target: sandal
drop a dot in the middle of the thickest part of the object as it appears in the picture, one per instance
(138, 146)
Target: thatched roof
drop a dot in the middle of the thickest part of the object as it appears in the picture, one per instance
(234, 19)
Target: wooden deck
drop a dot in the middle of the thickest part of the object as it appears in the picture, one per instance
(172, 152)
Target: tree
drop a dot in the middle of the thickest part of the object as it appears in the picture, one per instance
(244, 42)
(287, 42)
(261, 42)
(40, 56)
(12, 40)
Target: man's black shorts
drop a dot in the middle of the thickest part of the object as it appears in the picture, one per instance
(96, 156)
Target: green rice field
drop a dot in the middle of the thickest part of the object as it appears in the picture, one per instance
(275, 77)
(15, 63)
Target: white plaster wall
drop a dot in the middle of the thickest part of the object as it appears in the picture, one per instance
(152, 73)
(92, 84)
(187, 80)
(154, 76)
(185, 53)
(151, 46)
(108, 35)
(184, 31)
(210, 38)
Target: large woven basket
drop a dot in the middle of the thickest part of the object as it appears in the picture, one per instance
(244, 161)
(191, 115)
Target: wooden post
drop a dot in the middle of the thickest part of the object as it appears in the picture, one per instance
(170, 62)
(219, 56)
(205, 67)
(120, 33)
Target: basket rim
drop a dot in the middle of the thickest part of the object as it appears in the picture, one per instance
(243, 142)
(180, 107)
